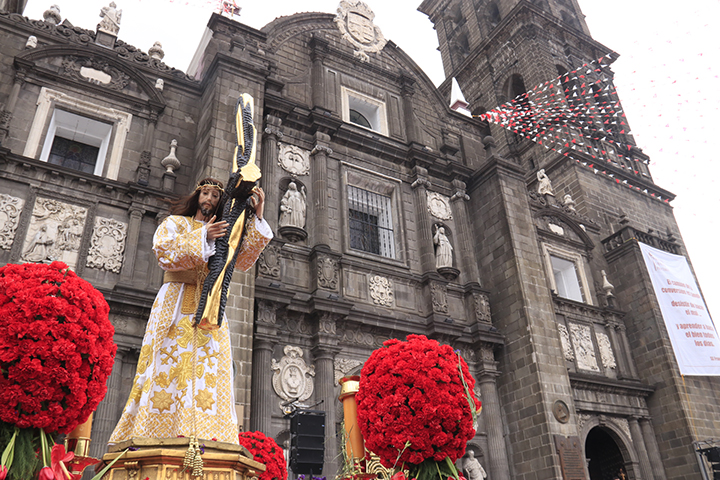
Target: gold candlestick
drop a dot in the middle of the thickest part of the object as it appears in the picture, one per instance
(355, 446)
(78, 440)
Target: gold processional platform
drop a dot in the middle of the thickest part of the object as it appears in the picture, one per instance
(162, 459)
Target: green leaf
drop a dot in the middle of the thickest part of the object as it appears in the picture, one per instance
(9, 453)
(109, 465)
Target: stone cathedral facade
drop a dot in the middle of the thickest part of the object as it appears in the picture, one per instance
(394, 214)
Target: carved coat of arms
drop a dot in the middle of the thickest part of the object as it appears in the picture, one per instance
(355, 21)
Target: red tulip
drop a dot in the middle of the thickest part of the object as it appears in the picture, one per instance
(3, 472)
(46, 473)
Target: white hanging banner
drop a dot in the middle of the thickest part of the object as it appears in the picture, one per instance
(692, 333)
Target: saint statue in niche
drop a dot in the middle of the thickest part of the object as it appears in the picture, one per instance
(292, 207)
(444, 250)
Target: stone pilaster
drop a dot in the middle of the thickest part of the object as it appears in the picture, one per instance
(652, 449)
(498, 461)
(621, 359)
(105, 417)
(407, 86)
(622, 337)
(640, 449)
(321, 232)
(272, 134)
(7, 114)
(319, 49)
(143, 170)
(424, 229)
(261, 403)
(325, 390)
(468, 265)
(131, 245)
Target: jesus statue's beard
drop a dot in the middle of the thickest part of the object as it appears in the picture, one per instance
(206, 211)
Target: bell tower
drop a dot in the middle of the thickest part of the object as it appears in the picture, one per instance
(498, 49)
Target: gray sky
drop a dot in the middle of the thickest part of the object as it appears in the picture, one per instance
(667, 79)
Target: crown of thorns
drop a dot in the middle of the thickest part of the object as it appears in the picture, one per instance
(208, 183)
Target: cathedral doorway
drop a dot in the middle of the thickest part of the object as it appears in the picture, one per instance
(604, 458)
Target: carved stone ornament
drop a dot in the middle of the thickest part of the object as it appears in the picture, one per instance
(582, 419)
(293, 159)
(584, 351)
(327, 273)
(439, 206)
(292, 377)
(95, 71)
(381, 291)
(565, 341)
(354, 19)
(561, 412)
(107, 245)
(267, 312)
(623, 425)
(482, 308)
(269, 262)
(344, 366)
(327, 323)
(55, 232)
(10, 208)
(439, 297)
(606, 352)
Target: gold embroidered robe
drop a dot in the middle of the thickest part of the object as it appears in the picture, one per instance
(160, 403)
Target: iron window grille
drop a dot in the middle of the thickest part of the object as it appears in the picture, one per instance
(370, 221)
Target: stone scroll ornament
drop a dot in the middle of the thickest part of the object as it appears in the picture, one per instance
(237, 200)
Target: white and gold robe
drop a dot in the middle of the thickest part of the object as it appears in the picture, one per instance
(161, 400)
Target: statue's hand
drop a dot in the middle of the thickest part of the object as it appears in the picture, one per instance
(258, 202)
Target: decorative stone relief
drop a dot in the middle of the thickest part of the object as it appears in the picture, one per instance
(565, 340)
(354, 19)
(293, 159)
(623, 425)
(487, 353)
(482, 308)
(327, 273)
(107, 245)
(439, 206)
(327, 323)
(292, 377)
(344, 366)
(297, 324)
(381, 291)
(160, 84)
(267, 312)
(10, 209)
(55, 232)
(606, 352)
(269, 262)
(31, 42)
(439, 297)
(557, 229)
(582, 419)
(584, 350)
(358, 337)
(95, 71)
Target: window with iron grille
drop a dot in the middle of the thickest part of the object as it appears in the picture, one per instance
(370, 222)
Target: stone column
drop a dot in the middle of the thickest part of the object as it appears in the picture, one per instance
(7, 114)
(320, 155)
(626, 350)
(464, 244)
(143, 169)
(131, 245)
(424, 229)
(619, 348)
(273, 134)
(640, 449)
(497, 454)
(652, 449)
(106, 417)
(407, 90)
(319, 49)
(261, 399)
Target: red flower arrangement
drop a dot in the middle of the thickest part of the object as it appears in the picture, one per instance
(56, 347)
(414, 406)
(265, 450)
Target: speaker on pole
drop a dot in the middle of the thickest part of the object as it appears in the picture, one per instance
(307, 442)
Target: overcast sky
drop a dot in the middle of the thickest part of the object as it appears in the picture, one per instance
(667, 80)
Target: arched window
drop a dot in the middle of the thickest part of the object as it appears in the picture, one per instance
(359, 119)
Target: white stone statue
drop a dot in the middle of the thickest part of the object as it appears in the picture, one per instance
(160, 84)
(569, 202)
(40, 248)
(31, 42)
(544, 185)
(111, 17)
(292, 207)
(444, 250)
(472, 467)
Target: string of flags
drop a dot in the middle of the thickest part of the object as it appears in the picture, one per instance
(577, 112)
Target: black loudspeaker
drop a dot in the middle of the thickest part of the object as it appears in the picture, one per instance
(307, 442)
